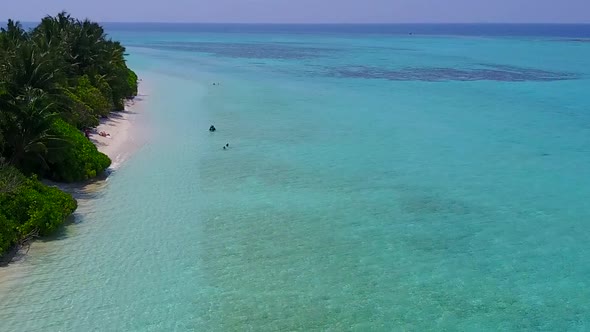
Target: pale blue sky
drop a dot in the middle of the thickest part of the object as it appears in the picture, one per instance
(305, 11)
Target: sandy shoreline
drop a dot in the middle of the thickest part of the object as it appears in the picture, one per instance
(127, 135)
(124, 135)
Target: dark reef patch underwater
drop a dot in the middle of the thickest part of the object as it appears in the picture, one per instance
(484, 72)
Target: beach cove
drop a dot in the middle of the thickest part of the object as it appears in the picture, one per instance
(373, 182)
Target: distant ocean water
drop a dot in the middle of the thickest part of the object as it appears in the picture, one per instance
(375, 181)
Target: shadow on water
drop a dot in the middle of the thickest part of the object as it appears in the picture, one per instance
(14, 254)
(60, 233)
(83, 192)
(19, 252)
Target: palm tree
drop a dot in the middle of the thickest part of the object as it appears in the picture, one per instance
(54, 35)
(12, 35)
(87, 45)
(28, 66)
(10, 39)
(3, 115)
(56, 29)
(27, 129)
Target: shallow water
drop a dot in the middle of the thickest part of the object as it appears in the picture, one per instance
(373, 182)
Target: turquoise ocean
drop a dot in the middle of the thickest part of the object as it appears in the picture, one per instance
(376, 180)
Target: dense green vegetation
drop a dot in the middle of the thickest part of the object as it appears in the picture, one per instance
(78, 160)
(56, 79)
(29, 208)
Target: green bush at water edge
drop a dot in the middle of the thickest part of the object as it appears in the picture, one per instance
(28, 206)
(57, 78)
(78, 160)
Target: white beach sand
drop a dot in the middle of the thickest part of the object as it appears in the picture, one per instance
(126, 133)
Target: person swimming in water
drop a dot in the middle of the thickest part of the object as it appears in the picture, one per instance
(212, 128)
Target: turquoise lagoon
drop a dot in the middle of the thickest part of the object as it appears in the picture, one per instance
(375, 181)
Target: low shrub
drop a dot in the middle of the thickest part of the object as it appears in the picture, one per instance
(78, 159)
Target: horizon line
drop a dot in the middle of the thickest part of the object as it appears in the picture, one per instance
(331, 23)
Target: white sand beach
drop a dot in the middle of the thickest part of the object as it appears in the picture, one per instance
(125, 133)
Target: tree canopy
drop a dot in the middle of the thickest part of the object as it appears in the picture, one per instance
(55, 79)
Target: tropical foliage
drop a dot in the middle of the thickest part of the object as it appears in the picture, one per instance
(78, 160)
(56, 79)
(29, 207)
